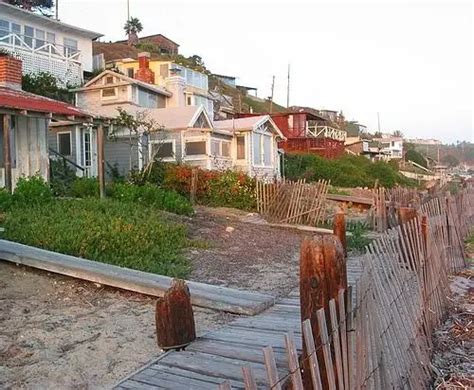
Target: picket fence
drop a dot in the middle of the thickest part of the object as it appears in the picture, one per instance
(382, 337)
(290, 202)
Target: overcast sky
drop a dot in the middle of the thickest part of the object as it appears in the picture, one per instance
(410, 61)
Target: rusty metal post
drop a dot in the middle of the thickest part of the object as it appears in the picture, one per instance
(174, 317)
(7, 158)
(101, 159)
(322, 275)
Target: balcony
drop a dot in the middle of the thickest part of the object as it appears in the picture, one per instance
(42, 56)
(326, 132)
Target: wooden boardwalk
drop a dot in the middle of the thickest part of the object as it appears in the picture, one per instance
(219, 355)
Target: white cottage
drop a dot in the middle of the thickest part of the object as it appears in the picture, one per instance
(46, 44)
(255, 145)
(24, 120)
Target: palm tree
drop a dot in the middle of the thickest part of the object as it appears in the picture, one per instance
(132, 28)
(397, 133)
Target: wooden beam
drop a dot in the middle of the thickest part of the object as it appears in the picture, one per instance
(7, 161)
(203, 295)
(101, 159)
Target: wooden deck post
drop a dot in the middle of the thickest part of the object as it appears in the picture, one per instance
(406, 214)
(339, 229)
(7, 158)
(174, 317)
(194, 180)
(322, 275)
(101, 159)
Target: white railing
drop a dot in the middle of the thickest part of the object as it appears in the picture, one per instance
(38, 46)
(326, 132)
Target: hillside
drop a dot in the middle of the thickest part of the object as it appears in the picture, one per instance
(241, 101)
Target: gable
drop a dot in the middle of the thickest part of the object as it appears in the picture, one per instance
(201, 122)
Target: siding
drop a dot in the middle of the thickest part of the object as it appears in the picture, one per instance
(53, 141)
(118, 153)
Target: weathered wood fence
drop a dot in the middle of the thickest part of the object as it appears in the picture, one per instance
(381, 337)
(298, 203)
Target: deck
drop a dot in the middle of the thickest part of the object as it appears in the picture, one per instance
(219, 355)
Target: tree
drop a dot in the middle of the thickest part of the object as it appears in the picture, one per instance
(42, 6)
(45, 84)
(450, 160)
(397, 133)
(132, 28)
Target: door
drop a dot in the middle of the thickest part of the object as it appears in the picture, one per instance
(89, 151)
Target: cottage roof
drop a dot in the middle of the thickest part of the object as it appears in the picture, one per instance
(247, 124)
(152, 87)
(44, 20)
(21, 100)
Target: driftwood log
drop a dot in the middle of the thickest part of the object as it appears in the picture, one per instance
(174, 317)
(322, 275)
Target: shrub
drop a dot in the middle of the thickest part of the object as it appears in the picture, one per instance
(62, 177)
(358, 240)
(232, 189)
(103, 230)
(85, 187)
(347, 171)
(6, 199)
(151, 195)
(32, 190)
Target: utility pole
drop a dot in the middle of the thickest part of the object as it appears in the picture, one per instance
(378, 122)
(288, 89)
(128, 9)
(57, 9)
(271, 98)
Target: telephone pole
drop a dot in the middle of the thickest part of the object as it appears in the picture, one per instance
(128, 9)
(288, 89)
(57, 9)
(271, 97)
(378, 122)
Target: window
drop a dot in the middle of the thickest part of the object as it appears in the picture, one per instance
(215, 147)
(257, 154)
(51, 37)
(147, 99)
(267, 150)
(225, 149)
(70, 47)
(64, 144)
(29, 35)
(130, 72)
(108, 92)
(109, 80)
(162, 149)
(189, 100)
(4, 28)
(240, 147)
(194, 148)
(40, 36)
(16, 29)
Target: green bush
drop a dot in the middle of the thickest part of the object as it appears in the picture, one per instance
(32, 190)
(358, 240)
(151, 195)
(103, 230)
(62, 177)
(6, 199)
(347, 171)
(85, 187)
(232, 189)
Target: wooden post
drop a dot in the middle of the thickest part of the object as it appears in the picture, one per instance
(322, 275)
(7, 159)
(101, 159)
(406, 214)
(194, 177)
(174, 317)
(339, 229)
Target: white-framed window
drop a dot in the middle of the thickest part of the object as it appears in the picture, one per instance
(70, 46)
(267, 150)
(220, 148)
(163, 150)
(195, 148)
(257, 152)
(109, 80)
(109, 93)
(64, 143)
(240, 139)
(262, 149)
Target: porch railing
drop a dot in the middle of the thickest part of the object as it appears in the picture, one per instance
(326, 132)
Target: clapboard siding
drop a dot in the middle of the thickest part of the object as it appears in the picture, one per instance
(122, 153)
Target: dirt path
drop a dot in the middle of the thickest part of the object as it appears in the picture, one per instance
(244, 255)
(58, 332)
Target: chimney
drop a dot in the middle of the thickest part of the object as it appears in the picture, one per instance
(10, 71)
(176, 84)
(144, 73)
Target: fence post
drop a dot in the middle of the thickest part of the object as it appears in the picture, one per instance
(406, 214)
(339, 229)
(174, 317)
(322, 275)
(193, 185)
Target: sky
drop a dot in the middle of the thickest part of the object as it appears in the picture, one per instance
(411, 62)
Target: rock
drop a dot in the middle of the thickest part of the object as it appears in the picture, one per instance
(229, 229)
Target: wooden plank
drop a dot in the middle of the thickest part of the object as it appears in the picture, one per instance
(270, 365)
(293, 362)
(336, 343)
(249, 379)
(312, 357)
(326, 349)
(203, 295)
